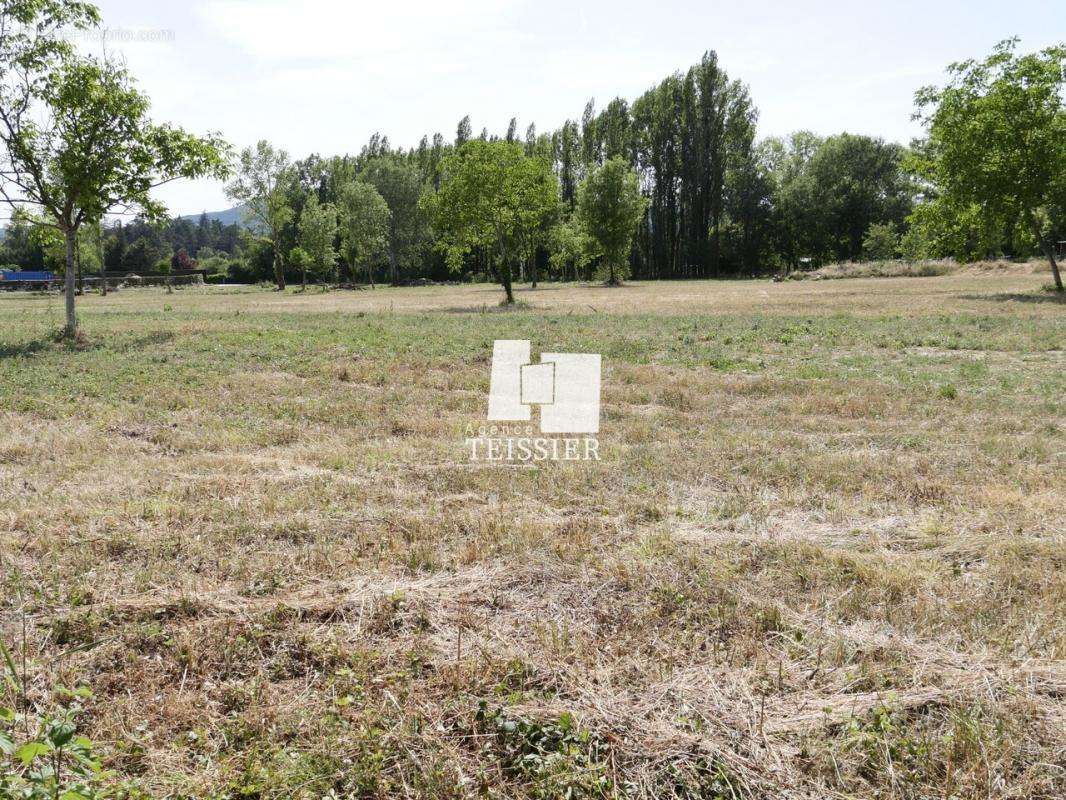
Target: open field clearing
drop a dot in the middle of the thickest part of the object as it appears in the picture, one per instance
(824, 553)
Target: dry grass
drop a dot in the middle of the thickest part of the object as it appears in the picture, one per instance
(914, 269)
(823, 555)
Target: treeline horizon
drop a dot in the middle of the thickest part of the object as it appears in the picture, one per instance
(721, 202)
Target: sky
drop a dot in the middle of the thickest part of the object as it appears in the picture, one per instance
(320, 76)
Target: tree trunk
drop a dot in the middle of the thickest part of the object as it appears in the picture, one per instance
(533, 270)
(1048, 249)
(77, 262)
(279, 270)
(370, 273)
(395, 272)
(505, 277)
(303, 275)
(72, 320)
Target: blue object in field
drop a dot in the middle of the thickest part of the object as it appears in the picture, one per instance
(27, 275)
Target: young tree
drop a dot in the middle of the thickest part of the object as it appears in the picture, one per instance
(609, 207)
(318, 227)
(491, 196)
(570, 247)
(401, 187)
(263, 175)
(77, 138)
(300, 260)
(364, 221)
(997, 137)
(881, 242)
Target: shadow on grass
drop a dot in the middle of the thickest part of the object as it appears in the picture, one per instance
(147, 340)
(1058, 298)
(57, 342)
(495, 308)
(24, 349)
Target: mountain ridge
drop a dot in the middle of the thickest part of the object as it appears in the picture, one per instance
(228, 216)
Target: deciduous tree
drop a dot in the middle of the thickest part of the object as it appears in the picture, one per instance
(318, 228)
(364, 222)
(263, 175)
(609, 207)
(491, 195)
(997, 137)
(401, 187)
(78, 141)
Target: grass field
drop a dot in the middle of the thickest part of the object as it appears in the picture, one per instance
(823, 554)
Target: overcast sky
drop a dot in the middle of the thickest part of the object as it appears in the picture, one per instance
(322, 75)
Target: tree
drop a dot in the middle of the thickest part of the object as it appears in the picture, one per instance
(855, 182)
(260, 186)
(318, 228)
(997, 137)
(463, 131)
(364, 221)
(881, 242)
(570, 246)
(77, 137)
(300, 260)
(491, 195)
(609, 207)
(401, 187)
(182, 261)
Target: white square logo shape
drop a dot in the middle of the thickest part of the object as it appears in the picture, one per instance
(566, 387)
(538, 384)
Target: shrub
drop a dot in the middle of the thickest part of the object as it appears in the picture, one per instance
(881, 242)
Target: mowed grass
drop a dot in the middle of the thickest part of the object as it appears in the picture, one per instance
(822, 556)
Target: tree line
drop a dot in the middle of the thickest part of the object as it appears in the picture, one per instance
(676, 184)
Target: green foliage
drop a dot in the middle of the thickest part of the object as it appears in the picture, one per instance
(42, 755)
(940, 228)
(364, 224)
(318, 228)
(827, 193)
(997, 138)
(555, 759)
(94, 146)
(881, 242)
(571, 247)
(400, 185)
(492, 197)
(263, 176)
(300, 260)
(609, 207)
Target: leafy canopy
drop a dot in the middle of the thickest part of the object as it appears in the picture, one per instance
(260, 186)
(610, 206)
(491, 195)
(318, 227)
(364, 223)
(90, 146)
(997, 137)
(400, 185)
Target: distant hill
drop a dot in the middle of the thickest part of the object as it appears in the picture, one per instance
(231, 216)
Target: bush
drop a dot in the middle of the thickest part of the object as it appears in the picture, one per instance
(881, 242)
